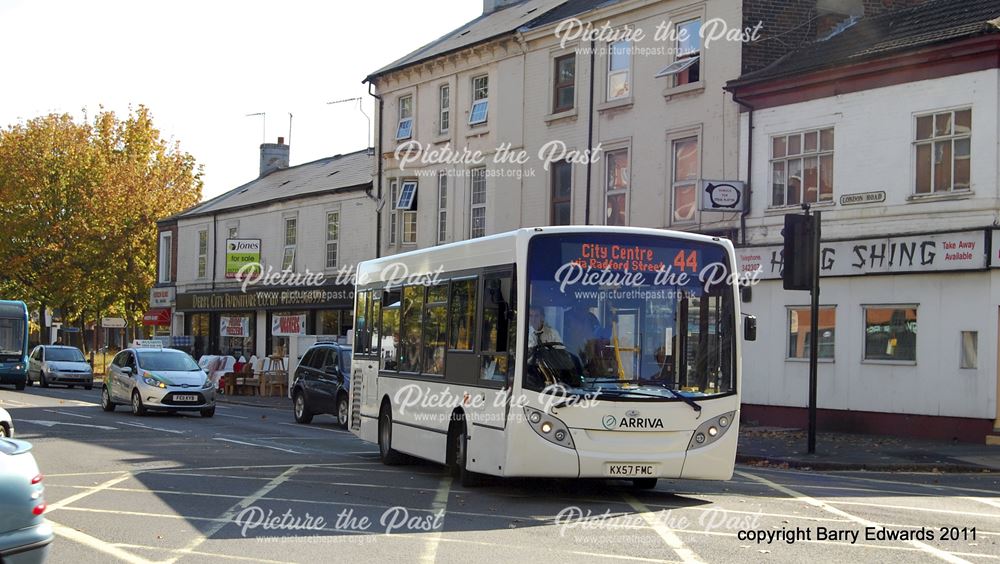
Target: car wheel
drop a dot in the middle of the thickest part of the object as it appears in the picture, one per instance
(137, 408)
(301, 410)
(208, 411)
(460, 444)
(644, 483)
(343, 410)
(388, 455)
(5, 430)
(106, 403)
(42, 381)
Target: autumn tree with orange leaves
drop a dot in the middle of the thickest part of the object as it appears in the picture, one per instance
(79, 202)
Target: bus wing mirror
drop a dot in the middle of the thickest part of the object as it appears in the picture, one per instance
(750, 328)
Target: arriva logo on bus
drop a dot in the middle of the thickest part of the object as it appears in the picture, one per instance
(612, 423)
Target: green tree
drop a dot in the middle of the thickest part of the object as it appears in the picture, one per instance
(80, 203)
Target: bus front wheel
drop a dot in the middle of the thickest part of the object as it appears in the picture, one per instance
(460, 446)
(389, 455)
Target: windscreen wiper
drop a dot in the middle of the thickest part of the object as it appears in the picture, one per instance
(694, 405)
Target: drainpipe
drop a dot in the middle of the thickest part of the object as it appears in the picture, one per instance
(590, 131)
(215, 247)
(746, 212)
(378, 179)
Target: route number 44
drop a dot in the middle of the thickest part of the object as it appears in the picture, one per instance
(687, 259)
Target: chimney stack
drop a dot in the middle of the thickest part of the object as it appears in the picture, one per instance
(273, 156)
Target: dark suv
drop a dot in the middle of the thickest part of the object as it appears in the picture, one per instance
(322, 382)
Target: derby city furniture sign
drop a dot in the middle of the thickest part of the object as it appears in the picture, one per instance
(241, 252)
(162, 297)
(113, 323)
(288, 325)
(323, 297)
(862, 198)
(234, 326)
(722, 195)
(906, 254)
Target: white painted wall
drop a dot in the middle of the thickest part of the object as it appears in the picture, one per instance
(873, 151)
(357, 236)
(947, 304)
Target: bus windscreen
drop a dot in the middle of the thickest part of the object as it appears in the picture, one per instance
(637, 315)
(11, 337)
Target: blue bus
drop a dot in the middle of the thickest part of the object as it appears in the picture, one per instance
(13, 343)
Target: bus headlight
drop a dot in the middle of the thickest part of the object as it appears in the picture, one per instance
(711, 430)
(548, 427)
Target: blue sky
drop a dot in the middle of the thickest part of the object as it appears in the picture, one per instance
(202, 66)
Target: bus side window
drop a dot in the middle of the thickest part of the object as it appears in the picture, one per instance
(361, 324)
(390, 330)
(497, 328)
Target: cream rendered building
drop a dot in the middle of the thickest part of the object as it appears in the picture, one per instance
(525, 84)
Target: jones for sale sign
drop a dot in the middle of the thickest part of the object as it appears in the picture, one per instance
(240, 253)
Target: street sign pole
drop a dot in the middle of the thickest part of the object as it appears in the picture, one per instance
(814, 330)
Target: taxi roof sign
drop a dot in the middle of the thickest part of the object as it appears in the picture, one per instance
(147, 344)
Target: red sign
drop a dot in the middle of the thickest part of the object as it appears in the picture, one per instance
(157, 316)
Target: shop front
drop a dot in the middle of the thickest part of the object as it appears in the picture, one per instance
(907, 333)
(261, 322)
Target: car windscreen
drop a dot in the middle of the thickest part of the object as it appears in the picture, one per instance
(167, 361)
(64, 355)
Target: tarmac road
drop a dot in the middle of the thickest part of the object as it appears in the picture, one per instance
(252, 485)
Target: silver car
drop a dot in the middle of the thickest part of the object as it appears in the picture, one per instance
(25, 536)
(157, 379)
(57, 364)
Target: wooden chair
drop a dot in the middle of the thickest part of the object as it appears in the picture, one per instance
(273, 376)
(248, 380)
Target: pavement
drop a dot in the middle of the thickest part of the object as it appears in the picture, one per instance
(786, 448)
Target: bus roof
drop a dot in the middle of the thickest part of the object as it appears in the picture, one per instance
(10, 308)
(495, 250)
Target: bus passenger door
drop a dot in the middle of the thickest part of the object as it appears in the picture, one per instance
(486, 401)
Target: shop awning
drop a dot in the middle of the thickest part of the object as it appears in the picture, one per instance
(157, 316)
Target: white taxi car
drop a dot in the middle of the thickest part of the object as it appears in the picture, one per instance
(147, 377)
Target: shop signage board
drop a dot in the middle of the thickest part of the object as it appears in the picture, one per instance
(288, 325)
(162, 297)
(241, 252)
(722, 195)
(306, 297)
(234, 326)
(936, 252)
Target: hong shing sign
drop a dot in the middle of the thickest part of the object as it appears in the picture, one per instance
(935, 252)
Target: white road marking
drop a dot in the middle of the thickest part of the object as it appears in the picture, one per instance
(233, 416)
(90, 491)
(911, 508)
(946, 556)
(54, 423)
(96, 544)
(150, 428)
(327, 429)
(227, 517)
(673, 541)
(256, 445)
(196, 553)
(70, 414)
(17, 403)
(439, 504)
